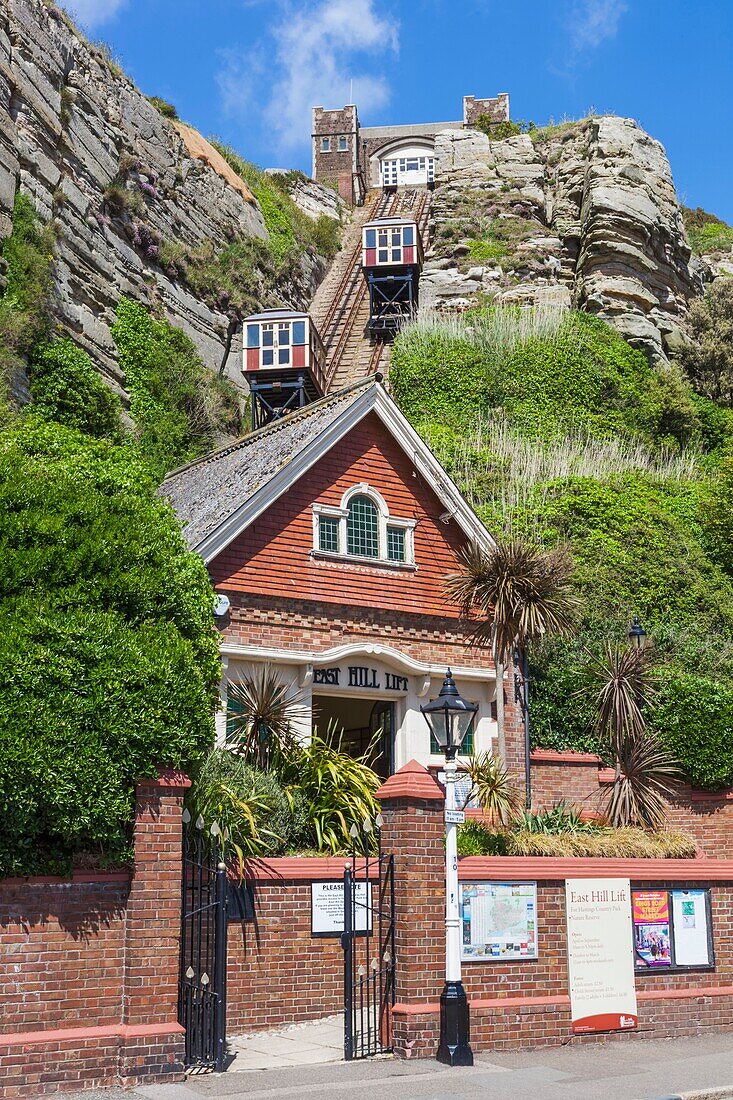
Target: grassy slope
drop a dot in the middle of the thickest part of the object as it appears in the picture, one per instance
(558, 429)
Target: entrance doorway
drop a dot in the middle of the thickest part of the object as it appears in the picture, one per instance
(357, 724)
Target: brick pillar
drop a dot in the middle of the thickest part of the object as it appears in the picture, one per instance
(412, 804)
(153, 1039)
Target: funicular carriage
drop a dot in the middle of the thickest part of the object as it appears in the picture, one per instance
(284, 363)
(391, 258)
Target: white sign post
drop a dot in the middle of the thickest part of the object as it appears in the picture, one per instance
(600, 954)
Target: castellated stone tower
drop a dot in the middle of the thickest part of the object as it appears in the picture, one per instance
(336, 150)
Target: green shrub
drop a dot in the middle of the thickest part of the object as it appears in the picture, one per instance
(337, 791)
(694, 717)
(563, 434)
(291, 230)
(66, 388)
(234, 280)
(499, 131)
(474, 839)
(166, 109)
(177, 404)
(485, 251)
(326, 236)
(248, 804)
(579, 839)
(706, 232)
(25, 317)
(708, 358)
(108, 657)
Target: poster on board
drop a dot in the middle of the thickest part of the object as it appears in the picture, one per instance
(600, 955)
(652, 939)
(327, 908)
(692, 932)
(498, 921)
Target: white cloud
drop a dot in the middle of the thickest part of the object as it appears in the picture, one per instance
(92, 13)
(593, 21)
(317, 54)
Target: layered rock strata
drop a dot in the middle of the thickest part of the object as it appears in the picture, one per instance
(71, 125)
(583, 215)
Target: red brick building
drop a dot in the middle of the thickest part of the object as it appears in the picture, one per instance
(331, 532)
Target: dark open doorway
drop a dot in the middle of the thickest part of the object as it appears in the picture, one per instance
(358, 723)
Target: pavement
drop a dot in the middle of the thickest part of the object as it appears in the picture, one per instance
(699, 1068)
(318, 1042)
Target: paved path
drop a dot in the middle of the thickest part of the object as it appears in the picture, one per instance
(630, 1070)
(316, 1043)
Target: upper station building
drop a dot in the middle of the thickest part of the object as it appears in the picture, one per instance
(356, 158)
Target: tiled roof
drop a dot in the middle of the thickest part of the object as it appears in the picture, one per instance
(206, 492)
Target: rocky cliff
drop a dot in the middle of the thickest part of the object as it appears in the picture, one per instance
(584, 214)
(119, 181)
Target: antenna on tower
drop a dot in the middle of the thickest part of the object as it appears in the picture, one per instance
(351, 90)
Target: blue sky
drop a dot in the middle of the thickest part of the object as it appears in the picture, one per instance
(249, 70)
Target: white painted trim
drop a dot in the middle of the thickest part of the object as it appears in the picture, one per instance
(373, 398)
(383, 653)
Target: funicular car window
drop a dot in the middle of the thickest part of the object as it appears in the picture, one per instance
(253, 336)
(298, 332)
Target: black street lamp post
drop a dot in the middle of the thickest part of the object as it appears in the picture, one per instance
(451, 718)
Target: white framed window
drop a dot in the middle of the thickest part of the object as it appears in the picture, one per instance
(343, 145)
(363, 530)
(325, 145)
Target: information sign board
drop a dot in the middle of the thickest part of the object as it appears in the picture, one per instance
(693, 942)
(327, 908)
(498, 921)
(672, 930)
(652, 939)
(600, 955)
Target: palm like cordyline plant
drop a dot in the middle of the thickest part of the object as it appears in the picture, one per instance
(493, 788)
(267, 708)
(516, 594)
(646, 772)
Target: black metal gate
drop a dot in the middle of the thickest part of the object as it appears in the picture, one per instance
(369, 956)
(202, 977)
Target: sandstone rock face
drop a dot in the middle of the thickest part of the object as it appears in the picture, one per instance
(583, 215)
(68, 120)
(316, 200)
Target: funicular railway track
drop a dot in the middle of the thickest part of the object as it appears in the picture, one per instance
(350, 354)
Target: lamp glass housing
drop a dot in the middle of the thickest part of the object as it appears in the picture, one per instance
(450, 717)
(637, 635)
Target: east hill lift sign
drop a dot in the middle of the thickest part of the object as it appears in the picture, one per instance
(359, 676)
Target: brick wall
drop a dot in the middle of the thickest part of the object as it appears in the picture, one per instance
(580, 779)
(89, 966)
(524, 1004)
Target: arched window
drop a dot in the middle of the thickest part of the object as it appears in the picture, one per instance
(362, 528)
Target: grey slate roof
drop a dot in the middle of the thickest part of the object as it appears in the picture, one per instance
(206, 492)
